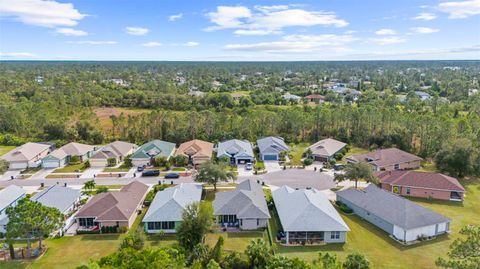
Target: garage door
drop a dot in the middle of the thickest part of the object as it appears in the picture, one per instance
(269, 157)
(22, 165)
(50, 164)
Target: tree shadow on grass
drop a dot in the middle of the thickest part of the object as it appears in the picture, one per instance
(100, 237)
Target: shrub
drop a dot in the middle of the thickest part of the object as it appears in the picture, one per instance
(127, 162)
(86, 164)
(74, 160)
(111, 162)
(344, 208)
(307, 162)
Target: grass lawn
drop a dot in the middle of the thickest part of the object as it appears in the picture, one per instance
(428, 167)
(118, 169)
(179, 169)
(383, 252)
(296, 152)
(5, 149)
(71, 168)
(234, 241)
(353, 151)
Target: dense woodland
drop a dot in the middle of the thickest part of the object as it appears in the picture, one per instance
(60, 107)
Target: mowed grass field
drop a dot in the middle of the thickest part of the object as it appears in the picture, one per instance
(5, 149)
(103, 114)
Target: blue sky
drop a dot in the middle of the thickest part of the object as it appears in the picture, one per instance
(239, 30)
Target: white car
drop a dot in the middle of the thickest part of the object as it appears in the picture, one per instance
(248, 166)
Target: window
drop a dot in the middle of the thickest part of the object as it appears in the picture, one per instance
(335, 235)
(408, 190)
(258, 222)
(161, 225)
(396, 166)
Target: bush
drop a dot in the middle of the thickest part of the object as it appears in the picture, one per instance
(111, 162)
(127, 162)
(86, 164)
(307, 162)
(344, 208)
(74, 160)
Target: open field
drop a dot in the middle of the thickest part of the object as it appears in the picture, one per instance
(5, 149)
(103, 114)
(296, 151)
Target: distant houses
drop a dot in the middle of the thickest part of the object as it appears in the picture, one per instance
(9, 197)
(166, 209)
(325, 149)
(315, 98)
(62, 156)
(422, 184)
(197, 151)
(402, 219)
(146, 153)
(270, 148)
(388, 159)
(27, 155)
(291, 97)
(236, 151)
(112, 209)
(423, 95)
(308, 217)
(117, 150)
(244, 208)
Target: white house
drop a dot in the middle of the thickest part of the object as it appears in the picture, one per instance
(9, 197)
(27, 155)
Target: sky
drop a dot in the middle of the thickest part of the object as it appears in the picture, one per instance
(196, 30)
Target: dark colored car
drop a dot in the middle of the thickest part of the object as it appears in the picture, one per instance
(172, 175)
(151, 173)
(338, 167)
(140, 168)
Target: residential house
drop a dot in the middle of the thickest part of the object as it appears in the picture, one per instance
(62, 156)
(66, 200)
(165, 211)
(402, 219)
(112, 209)
(238, 95)
(388, 159)
(292, 97)
(244, 208)
(308, 217)
(26, 156)
(117, 150)
(146, 153)
(315, 98)
(422, 184)
(237, 151)
(9, 197)
(325, 150)
(422, 95)
(197, 151)
(270, 148)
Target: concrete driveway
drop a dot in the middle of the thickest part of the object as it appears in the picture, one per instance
(42, 174)
(242, 172)
(9, 174)
(272, 166)
(300, 178)
(91, 171)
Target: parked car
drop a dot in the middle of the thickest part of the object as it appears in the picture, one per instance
(248, 166)
(141, 168)
(151, 173)
(338, 167)
(172, 175)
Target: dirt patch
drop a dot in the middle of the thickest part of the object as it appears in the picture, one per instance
(104, 113)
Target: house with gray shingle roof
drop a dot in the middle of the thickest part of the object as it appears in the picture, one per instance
(151, 150)
(243, 208)
(308, 217)
(26, 155)
(324, 150)
(165, 211)
(270, 148)
(9, 197)
(404, 220)
(117, 150)
(61, 156)
(237, 151)
(64, 199)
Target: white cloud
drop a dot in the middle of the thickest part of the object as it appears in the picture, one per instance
(423, 30)
(460, 10)
(46, 13)
(17, 54)
(191, 44)
(71, 32)
(350, 32)
(257, 32)
(268, 19)
(387, 40)
(136, 30)
(298, 44)
(175, 17)
(385, 31)
(93, 42)
(152, 44)
(425, 16)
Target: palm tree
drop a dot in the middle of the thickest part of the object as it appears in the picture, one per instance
(88, 185)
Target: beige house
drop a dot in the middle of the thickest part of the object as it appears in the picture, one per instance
(27, 155)
(388, 159)
(197, 151)
(62, 156)
(118, 209)
(325, 150)
(118, 150)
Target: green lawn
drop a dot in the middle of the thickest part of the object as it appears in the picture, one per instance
(383, 252)
(118, 169)
(5, 149)
(70, 168)
(296, 152)
(353, 151)
(428, 167)
(234, 241)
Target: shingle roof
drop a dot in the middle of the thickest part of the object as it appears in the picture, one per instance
(235, 147)
(306, 210)
(385, 157)
(271, 144)
(115, 206)
(392, 208)
(196, 148)
(327, 147)
(154, 148)
(9, 195)
(71, 149)
(168, 205)
(114, 150)
(25, 152)
(61, 198)
(420, 179)
(247, 201)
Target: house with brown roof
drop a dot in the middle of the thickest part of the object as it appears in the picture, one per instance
(315, 98)
(117, 150)
(62, 156)
(324, 150)
(197, 151)
(388, 159)
(26, 155)
(422, 184)
(112, 209)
